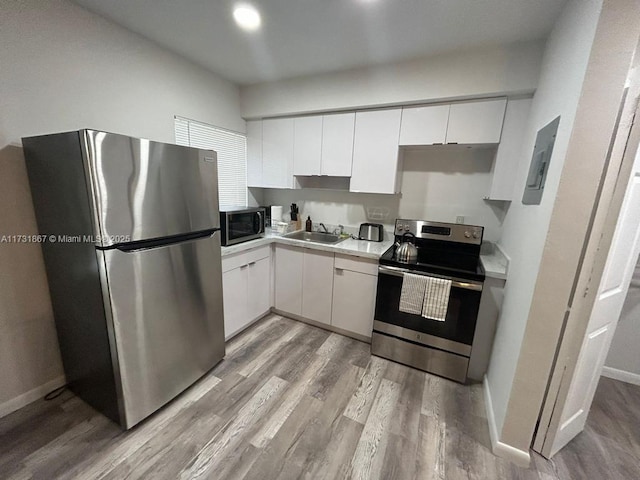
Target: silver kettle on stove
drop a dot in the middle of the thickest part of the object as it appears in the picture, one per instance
(406, 252)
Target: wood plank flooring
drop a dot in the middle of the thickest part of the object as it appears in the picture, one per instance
(294, 401)
(609, 446)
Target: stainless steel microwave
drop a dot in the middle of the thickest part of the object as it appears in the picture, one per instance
(241, 224)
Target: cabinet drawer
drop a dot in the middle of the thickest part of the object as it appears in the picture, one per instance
(245, 258)
(356, 264)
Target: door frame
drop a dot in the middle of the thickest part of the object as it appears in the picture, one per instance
(622, 151)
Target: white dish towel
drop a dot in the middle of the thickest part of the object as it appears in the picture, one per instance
(436, 298)
(412, 293)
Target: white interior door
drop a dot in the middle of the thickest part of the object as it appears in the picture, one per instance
(604, 316)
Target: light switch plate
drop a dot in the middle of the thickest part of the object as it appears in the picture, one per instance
(460, 219)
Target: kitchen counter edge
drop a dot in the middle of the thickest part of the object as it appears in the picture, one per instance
(495, 264)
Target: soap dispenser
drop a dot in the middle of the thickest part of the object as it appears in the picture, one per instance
(308, 224)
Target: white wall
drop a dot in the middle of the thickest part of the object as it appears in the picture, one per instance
(525, 227)
(624, 354)
(440, 183)
(437, 184)
(503, 70)
(63, 68)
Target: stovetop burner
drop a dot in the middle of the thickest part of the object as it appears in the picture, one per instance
(462, 267)
(447, 249)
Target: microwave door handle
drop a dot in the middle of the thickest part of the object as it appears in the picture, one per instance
(260, 223)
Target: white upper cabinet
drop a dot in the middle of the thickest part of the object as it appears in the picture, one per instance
(375, 151)
(337, 144)
(307, 145)
(426, 125)
(476, 122)
(254, 153)
(277, 153)
(362, 145)
(510, 151)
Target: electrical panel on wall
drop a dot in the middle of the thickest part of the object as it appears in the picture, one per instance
(540, 160)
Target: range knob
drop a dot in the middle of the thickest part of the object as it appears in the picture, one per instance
(400, 228)
(407, 227)
(467, 234)
(476, 234)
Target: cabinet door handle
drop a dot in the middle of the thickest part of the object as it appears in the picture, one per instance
(252, 263)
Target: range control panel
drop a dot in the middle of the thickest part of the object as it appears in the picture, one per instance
(453, 232)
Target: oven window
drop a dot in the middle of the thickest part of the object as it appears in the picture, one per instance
(243, 225)
(459, 324)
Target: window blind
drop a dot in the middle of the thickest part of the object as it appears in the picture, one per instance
(231, 148)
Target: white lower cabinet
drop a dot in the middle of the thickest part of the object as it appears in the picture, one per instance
(317, 285)
(354, 295)
(259, 282)
(246, 288)
(235, 294)
(304, 280)
(336, 290)
(288, 283)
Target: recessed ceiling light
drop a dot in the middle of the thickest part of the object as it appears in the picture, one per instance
(247, 17)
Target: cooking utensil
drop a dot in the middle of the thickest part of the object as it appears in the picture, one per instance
(407, 252)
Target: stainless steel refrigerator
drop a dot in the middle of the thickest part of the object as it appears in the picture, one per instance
(131, 245)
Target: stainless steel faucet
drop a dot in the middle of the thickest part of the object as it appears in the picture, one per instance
(323, 227)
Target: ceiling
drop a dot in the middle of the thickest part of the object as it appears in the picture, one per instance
(304, 37)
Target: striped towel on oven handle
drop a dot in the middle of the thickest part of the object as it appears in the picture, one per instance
(436, 298)
(412, 293)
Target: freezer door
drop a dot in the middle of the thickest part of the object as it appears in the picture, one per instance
(165, 305)
(142, 189)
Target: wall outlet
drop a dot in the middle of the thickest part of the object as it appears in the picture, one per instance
(460, 219)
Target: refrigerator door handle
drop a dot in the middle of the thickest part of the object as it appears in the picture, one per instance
(160, 242)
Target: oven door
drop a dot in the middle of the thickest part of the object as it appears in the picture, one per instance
(242, 226)
(454, 334)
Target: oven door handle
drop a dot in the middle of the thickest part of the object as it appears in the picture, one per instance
(455, 282)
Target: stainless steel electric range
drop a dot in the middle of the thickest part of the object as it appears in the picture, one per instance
(446, 251)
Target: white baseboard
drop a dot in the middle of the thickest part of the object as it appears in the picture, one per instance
(32, 395)
(500, 449)
(621, 375)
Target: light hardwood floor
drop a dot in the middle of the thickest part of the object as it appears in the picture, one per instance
(292, 401)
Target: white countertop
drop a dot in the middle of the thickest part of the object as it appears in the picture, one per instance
(495, 263)
(358, 248)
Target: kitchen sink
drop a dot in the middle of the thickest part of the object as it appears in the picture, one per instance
(318, 237)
